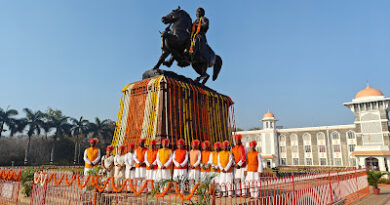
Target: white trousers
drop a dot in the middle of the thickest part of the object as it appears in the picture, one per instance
(252, 182)
(129, 174)
(194, 174)
(163, 174)
(150, 174)
(119, 174)
(226, 183)
(239, 177)
(140, 172)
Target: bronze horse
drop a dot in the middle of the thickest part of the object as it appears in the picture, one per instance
(175, 41)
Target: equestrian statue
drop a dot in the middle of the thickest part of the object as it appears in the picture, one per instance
(186, 43)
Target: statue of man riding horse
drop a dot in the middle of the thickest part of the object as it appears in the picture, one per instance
(186, 42)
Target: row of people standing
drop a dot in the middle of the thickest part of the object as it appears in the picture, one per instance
(226, 166)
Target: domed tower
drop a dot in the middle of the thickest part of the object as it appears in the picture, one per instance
(269, 145)
(370, 108)
(269, 121)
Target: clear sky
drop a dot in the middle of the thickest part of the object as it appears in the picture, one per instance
(300, 59)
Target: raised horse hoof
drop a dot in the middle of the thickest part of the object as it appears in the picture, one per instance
(167, 63)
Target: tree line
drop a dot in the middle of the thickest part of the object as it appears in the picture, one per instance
(47, 130)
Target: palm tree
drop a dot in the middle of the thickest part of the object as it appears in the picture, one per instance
(60, 123)
(79, 130)
(101, 129)
(6, 118)
(16, 126)
(34, 121)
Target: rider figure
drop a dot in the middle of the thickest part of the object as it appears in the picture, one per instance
(199, 30)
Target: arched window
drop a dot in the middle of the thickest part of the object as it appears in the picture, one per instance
(321, 143)
(335, 136)
(351, 135)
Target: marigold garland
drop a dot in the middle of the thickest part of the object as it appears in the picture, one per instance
(44, 178)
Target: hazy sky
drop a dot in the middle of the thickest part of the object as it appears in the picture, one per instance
(300, 59)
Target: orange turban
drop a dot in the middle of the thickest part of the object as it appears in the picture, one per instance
(225, 143)
(109, 148)
(195, 142)
(165, 141)
(206, 143)
(131, 145)
(93, 140)
(122, 147)
(238, 137)
(180, 142)
(217, 144)
(153, 142)
(252, 144)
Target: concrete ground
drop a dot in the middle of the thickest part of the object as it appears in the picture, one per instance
(381, 199)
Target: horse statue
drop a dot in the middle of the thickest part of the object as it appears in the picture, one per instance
(176, 41)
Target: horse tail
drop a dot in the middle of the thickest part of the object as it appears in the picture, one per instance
(217, 67)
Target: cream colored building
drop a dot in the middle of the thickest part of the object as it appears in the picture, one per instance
(365, 143)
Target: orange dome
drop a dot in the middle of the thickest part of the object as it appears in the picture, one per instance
(268, 114)
(369, 92)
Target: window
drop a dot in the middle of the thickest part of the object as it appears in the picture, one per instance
(322, 148)
(309, 161)
(322, 161)
(294, 148)
(282, 138)
(337, 161)
(282, 149)
(271, 124)
(295, 161)
(351, 135)
(306, 138)
(266, 124)
(283, 161)
(351, 147)
(294, 138)
(335, 136)
(307, 148)
(336, 148)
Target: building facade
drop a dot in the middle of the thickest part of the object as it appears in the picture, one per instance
(365, 143)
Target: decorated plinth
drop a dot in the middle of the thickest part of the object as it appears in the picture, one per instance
(172, 106)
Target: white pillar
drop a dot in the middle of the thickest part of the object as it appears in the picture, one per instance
(361, 162)
(381, 164)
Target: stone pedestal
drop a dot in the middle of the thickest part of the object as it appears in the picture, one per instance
(174, 107)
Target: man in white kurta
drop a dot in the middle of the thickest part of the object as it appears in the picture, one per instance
(139, 159)
(120, 164)
(150, 161)
(213, 162)
(180, 160)
(254, 170)
(108, 162)
(225, 162)
(164, 162)
(195, 159)
(130, 163)
(91, 156)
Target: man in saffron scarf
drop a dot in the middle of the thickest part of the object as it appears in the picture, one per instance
(180, 160)
(225, 162)
(205, 166)
(199, 30)
(150, 161)
(213, 161)
(254, 170)
(91, 156)
(195, 157)
(164, 161)
(139, 159)
(240, 162)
